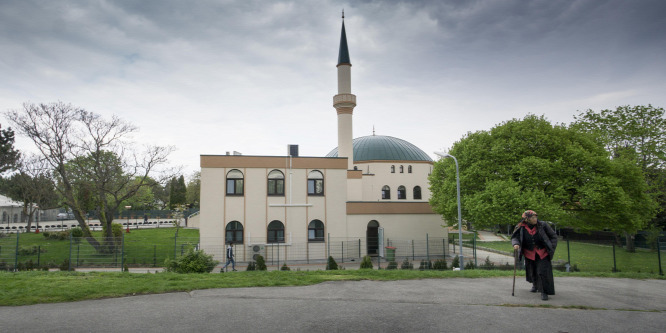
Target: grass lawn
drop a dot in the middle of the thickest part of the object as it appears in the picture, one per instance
(33, 287)
(145, 247)
(597, 258)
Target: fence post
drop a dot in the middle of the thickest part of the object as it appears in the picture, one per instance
(427, 249)
(661, 272)
(413, 258)
(444, 248)
(342, 252)
(328, 246)
(175, 244)
(122, 253)
(154, 255)
(476, 263)
(39, 253)
(69, 268)
(17, 250)
(614, 263)
(568, 252)
(78, 251)
(359, 248)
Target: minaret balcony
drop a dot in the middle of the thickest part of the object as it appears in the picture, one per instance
(344, 99)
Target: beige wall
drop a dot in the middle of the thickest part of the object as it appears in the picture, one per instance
(377, 174)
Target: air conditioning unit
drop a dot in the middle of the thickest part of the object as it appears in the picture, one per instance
(257, 250)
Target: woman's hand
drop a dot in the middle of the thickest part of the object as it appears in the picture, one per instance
(516, 247)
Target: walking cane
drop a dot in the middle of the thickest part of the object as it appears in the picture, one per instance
(515, 263)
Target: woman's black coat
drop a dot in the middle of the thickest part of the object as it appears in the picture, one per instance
(545, 231)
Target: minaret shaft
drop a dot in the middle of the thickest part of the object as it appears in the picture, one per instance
(344, 103)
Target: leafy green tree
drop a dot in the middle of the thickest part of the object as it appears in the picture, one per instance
(637, 132)
(178, 193)
(562, 173)
(8, 155)
(194, 189)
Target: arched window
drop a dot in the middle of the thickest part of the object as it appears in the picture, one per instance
(15, 218)
(235, 182)
(276, 232)
(417, 192)
(234, 232)
(386, 192)
(402, 192)
(316, 231)
(392, 168)
(409, 169)
(4, 216)
(315, 183)
(402, 169)
(276, 183)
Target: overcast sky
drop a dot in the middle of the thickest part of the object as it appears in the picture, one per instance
(253, 76)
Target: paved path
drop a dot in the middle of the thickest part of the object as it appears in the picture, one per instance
(431, 305)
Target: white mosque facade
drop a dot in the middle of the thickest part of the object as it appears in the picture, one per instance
(366, 194)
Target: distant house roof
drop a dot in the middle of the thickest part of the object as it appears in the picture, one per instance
(387, 148)
(7, 202)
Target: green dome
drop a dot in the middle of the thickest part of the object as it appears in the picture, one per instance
(387, 148)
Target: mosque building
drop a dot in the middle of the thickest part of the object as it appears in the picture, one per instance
(366, 194)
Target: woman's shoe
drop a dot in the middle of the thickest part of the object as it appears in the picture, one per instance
(544, 296)
(534, 289)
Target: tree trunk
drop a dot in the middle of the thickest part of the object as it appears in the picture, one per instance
(630, 242)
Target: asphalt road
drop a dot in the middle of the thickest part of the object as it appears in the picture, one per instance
(433, 305)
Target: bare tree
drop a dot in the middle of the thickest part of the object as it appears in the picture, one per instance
(32, 185)
(90, 154)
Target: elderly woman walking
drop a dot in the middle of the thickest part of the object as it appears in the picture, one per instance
(536, 241)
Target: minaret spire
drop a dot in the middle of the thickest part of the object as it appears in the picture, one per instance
(344, 102)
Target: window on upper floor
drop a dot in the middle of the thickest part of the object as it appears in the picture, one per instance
(402, 192)
(386, 192)
(316, 231)
(392, 168)
(234, 182)
(315, 183)
(409, 169)
(417, 192)
(275, 232)
(276, 183)
(402, 169)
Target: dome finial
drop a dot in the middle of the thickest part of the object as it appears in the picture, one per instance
(373, 130)
(343, 14)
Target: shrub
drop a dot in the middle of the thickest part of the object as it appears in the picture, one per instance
(470, 265)
(30, 250)
(250, 267)
(285, 267)
(56, 235)
(65, 265)
(366, 263)
(440, 265)
(192, 262)
(332, 265)
(77, 233)
(425, 264)
(29, 265)
(406, 264)
(486, 264)
(392, 265)
(456, 262)
(261, 263)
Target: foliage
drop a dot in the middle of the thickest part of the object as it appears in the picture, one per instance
(64, 266)
(392, 265)
(425, 265)
(469, 265)
(366, 263)
(285, 267)
(194, 189)
(638, 133)
(8, 154)
(251, 266)
(30, 250)
(562, 173)
(56, 235)
(440, 264)
(406, 264)
(331, 264)
(77, 233)
(261, 263)
(456, 262)
(194, 261)
(178, 192)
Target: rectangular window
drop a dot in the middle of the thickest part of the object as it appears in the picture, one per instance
(234, 187)
(276, 187)
(315, 187)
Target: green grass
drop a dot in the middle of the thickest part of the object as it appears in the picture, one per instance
(597, 258)
(24, 288)
(143, 247)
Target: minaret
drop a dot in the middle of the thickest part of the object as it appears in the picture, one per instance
(344, 102)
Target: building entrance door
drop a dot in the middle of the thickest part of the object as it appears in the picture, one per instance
(372, 238)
